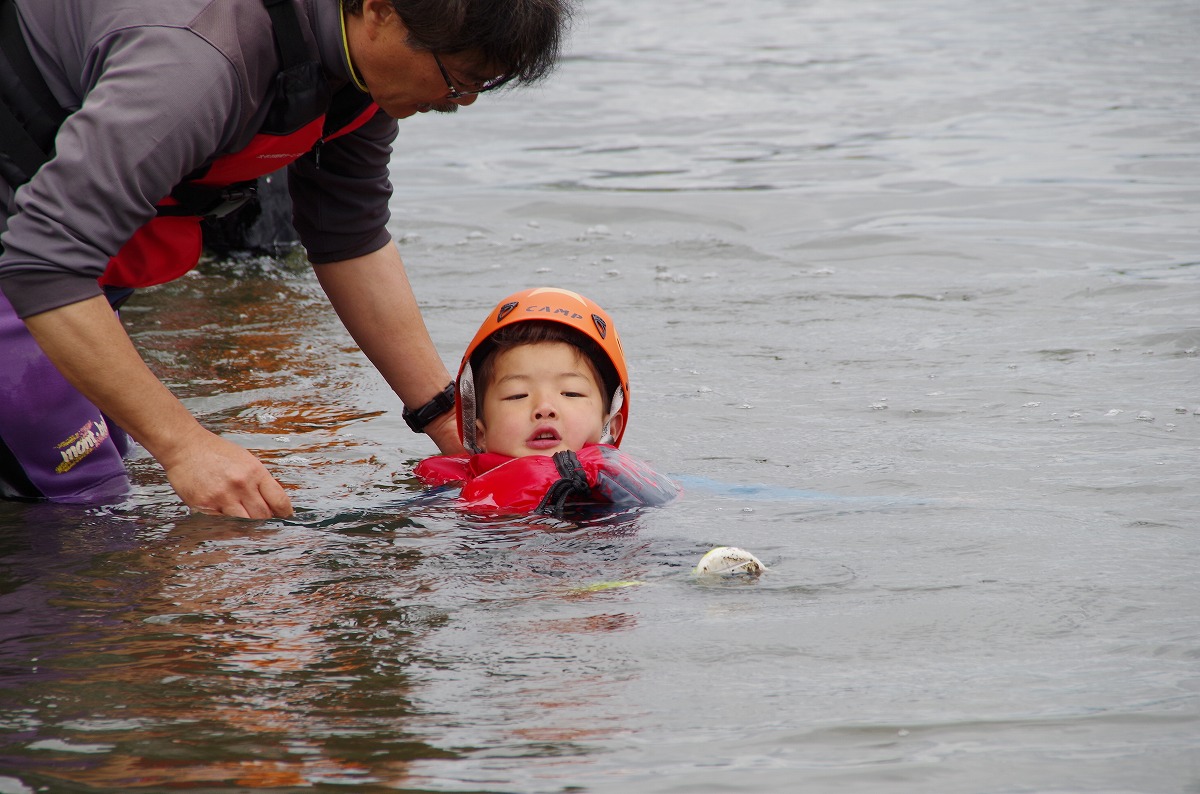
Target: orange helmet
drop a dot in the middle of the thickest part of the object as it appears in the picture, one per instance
(553, 305)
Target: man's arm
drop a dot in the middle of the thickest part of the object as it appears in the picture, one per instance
(86, 342)
(373, 297)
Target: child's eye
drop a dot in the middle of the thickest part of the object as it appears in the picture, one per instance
(574, 394)
(514, 396)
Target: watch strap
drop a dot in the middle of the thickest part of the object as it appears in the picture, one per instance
(442, 402)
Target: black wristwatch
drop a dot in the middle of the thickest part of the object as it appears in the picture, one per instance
(419, 419)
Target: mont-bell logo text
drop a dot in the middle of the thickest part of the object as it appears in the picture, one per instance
(80, 445)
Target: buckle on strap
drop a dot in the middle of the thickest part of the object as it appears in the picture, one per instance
(204, 201)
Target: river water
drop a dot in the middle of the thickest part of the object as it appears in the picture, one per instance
(911, 297)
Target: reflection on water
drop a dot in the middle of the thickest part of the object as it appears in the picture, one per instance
(909, 296)
(207, 652)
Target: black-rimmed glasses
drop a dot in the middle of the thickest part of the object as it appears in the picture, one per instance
(456, 93)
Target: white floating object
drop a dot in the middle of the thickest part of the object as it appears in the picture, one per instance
(729, 561)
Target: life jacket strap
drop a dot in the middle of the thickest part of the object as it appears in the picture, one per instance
(207, 201)
(29, 114)
(301, 90)
(573, 480)
(289, 41)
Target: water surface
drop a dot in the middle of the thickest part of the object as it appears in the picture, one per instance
(910, 297)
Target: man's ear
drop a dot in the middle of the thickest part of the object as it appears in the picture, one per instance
(377, 12)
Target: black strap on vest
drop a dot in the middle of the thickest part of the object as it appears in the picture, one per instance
(301, 90)
(208, 201)
(289, 42)
(29, 114)
(573, 482)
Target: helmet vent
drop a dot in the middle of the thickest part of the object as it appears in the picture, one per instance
(601, 326)
(506, 310)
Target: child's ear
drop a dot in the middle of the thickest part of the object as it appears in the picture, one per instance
(480, 434)
(615, 424)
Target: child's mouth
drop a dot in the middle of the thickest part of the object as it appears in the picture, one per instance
(544, 439)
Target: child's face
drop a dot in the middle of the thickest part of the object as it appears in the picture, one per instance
(542, 398)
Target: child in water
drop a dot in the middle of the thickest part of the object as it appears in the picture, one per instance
(542, 397)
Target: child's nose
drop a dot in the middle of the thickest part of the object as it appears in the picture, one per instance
(545, 410)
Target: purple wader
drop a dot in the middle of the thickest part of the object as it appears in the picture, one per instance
(68, 449)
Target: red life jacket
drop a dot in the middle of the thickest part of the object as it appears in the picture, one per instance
(597, 474)
(302, 115)
(170, 245)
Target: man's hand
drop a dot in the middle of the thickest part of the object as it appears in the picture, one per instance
(212, 475)
(444, 432)
(86, 342)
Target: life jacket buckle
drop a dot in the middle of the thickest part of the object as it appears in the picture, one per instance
(208, 201)
(232, 199)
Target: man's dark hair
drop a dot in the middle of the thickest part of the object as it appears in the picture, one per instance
(534, 332)
(525, 37)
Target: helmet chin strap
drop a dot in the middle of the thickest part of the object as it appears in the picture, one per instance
(466, 393)
(618, 400)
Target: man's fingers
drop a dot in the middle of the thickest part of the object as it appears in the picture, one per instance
(266, 499)
(221, 478)
(275, 499)
(232, 510)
